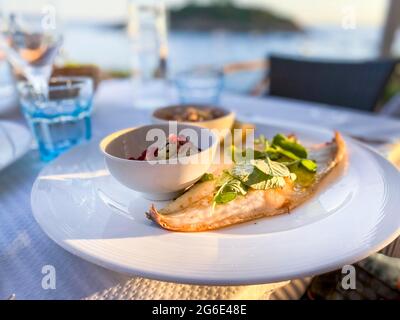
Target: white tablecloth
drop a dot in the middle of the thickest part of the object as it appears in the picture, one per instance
(25, 249)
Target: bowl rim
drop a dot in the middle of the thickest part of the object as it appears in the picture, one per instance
(116, 134)
(228, 113)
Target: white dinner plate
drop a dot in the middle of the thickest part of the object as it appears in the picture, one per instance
(15, 141)
(83, 209)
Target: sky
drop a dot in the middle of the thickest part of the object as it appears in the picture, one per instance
(366, 12)
(306, 12)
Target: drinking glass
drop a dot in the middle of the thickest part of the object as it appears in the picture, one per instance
(30, 38)
(63, 119)
(147, 31)
(202, 85)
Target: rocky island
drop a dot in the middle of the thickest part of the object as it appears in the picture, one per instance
(226, 16)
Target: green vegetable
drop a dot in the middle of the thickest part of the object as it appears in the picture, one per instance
(224, 197)
(225, 177)
(293, 151)
(267, 169)
(271, 183)
(286, 153)
(256, 174)
(242, 170)
(206, 177)
(229, 188)
(291, 145)
(274, 174)
(253, 154)
(250, 175)
(310, 165)
(272, 168)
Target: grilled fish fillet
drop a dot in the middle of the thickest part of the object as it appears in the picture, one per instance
(193, 211)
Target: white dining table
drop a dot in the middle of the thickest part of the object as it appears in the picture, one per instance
(25, 249)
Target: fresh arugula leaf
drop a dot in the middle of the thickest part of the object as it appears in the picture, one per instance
(291, 145)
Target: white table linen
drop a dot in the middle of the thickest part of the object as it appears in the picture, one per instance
(25, 249)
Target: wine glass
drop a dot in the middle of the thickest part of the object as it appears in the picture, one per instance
(30, 39)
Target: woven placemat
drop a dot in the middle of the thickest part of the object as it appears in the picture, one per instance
(140, 288)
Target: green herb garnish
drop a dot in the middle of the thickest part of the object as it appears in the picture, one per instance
(229, 188)
(256, 174)
(284, 148)
(284, 158)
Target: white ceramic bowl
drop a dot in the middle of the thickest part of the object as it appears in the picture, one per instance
(222, 124)
(162, 179)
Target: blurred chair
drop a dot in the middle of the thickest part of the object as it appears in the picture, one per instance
(356, 85)
(352, 84)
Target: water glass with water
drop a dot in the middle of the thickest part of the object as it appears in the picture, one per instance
(199, 86)
(62, 120)
(148, 34)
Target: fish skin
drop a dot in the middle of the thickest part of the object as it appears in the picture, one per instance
(192, 212)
